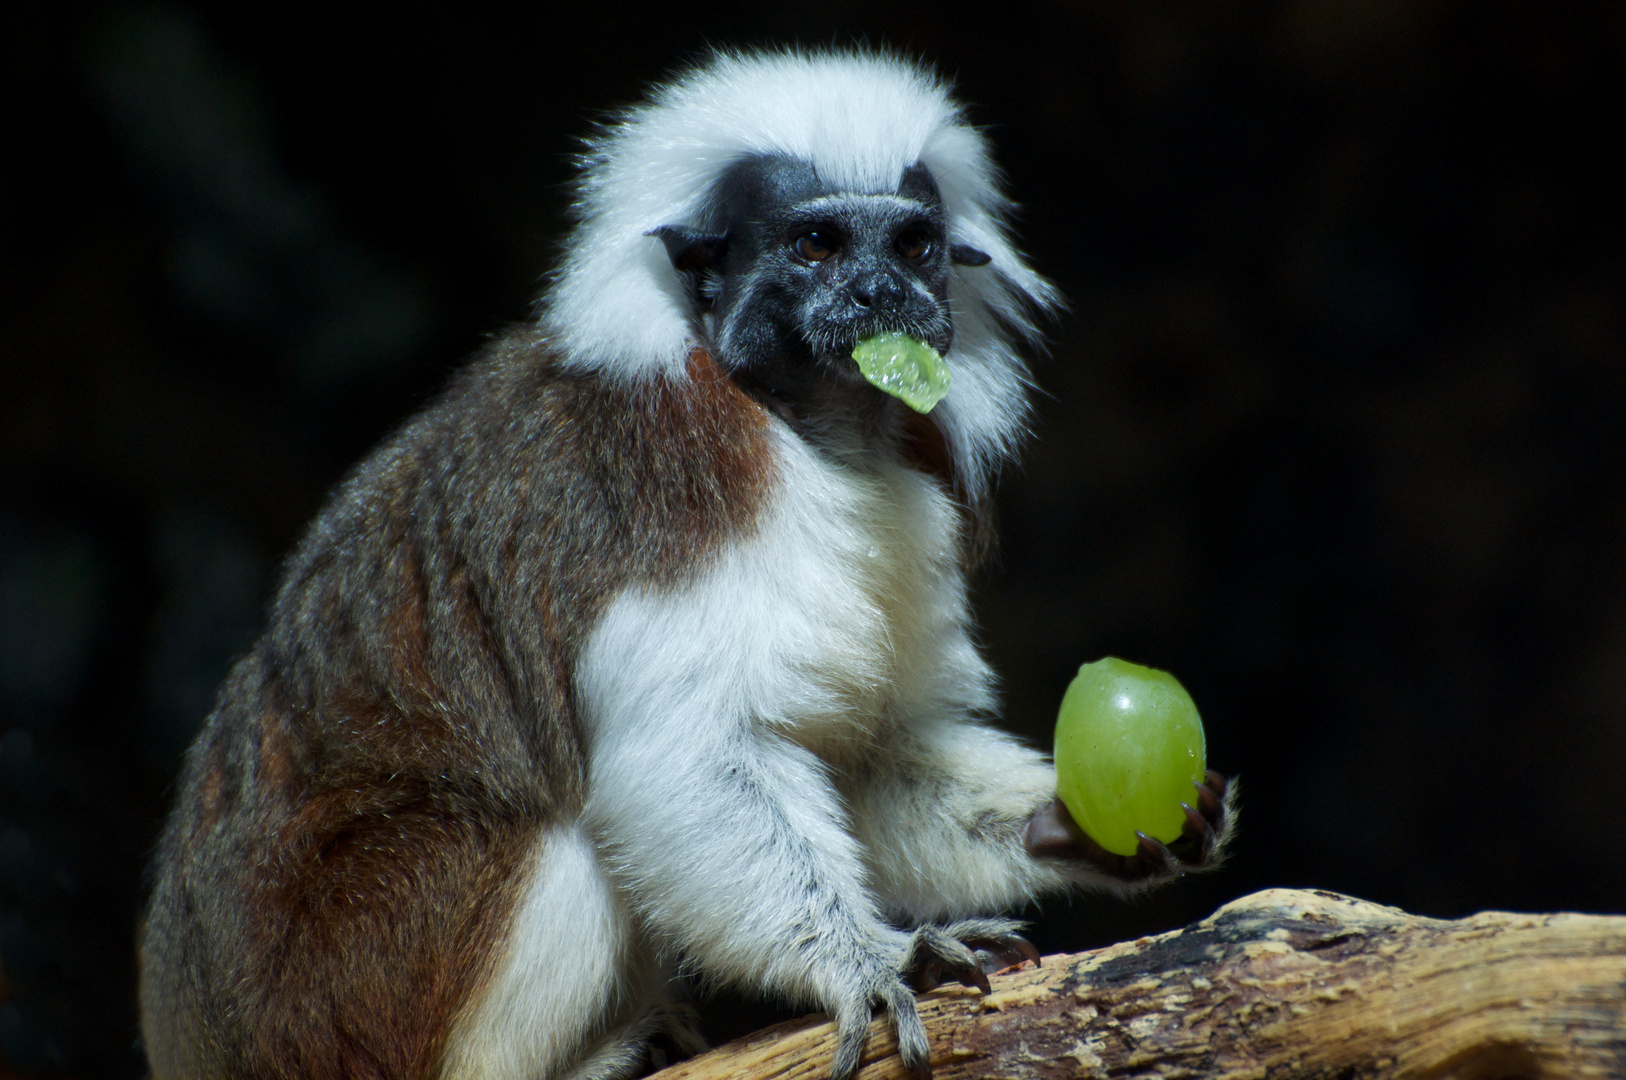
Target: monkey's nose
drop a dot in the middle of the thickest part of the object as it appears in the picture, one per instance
(882, 292)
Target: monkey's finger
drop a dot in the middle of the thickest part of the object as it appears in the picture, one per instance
(1213, 796)
(1155, 858)
(913, 1049)
(1196, 826)
(1208, 803)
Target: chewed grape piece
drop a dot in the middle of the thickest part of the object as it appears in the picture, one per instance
(905, 367)
(1129, 745)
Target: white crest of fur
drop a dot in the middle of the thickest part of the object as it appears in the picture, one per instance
(860, 119)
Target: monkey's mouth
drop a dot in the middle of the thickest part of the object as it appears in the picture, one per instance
(834, 345)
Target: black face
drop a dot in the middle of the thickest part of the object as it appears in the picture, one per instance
(796, 273)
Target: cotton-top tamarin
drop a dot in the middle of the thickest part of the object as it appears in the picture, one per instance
(647, 645)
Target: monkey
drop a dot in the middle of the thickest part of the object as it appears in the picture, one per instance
(645, 648)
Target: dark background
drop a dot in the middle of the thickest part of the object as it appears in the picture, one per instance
(1335, 430)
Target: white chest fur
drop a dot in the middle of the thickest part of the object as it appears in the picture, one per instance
(843, 611)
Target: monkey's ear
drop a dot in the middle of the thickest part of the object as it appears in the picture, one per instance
(691, 249)
(966, 255)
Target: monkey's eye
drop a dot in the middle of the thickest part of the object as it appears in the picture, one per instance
(912, 244)
(817, 245)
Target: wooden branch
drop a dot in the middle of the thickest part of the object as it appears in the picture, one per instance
(1280, 984)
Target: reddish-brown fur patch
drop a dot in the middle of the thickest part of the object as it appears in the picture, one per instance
(721, 411)
(378, 907)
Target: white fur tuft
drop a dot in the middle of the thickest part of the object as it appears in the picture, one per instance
(616, 307)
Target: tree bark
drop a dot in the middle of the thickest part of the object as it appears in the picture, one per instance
(1280, 984)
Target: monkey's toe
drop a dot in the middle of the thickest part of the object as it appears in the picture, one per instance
(852, 1030)
(965, 952)
(913, 1048)
(995, 942)
(1208, 823)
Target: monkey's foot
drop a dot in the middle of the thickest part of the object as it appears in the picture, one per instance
(963, 952)
(1052, 834)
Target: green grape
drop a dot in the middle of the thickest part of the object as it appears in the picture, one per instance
(905, 367)
(1129, 744)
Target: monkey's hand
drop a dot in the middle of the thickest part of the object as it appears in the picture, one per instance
(963, 952)
(1052, 834)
